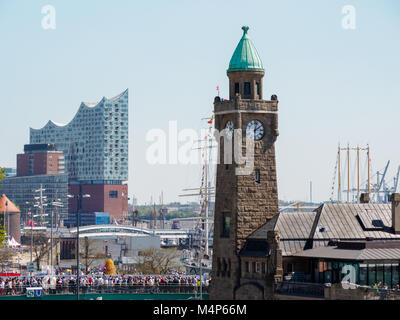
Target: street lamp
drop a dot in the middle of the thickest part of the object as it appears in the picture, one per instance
(54, 203)
(8, 220)
(79, 198)
(31, 214)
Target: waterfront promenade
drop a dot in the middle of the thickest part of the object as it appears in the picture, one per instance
(105, 284)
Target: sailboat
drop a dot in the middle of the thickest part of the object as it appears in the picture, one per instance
(198, 259)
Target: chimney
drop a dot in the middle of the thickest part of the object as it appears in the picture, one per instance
(395, 199)
(364, 198)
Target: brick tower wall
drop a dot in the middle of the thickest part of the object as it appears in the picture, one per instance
(250, 204)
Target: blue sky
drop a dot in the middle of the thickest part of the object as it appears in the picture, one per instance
(334, 85)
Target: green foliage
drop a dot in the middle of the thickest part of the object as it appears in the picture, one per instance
(146, 212)
(2, 173)
(2, 232)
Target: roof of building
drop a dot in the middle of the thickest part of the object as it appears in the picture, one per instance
(245, 56)
(7, 205)
(333, 252)
(294, 229)
(354, 221)
(301, 232)
(83, 106)
(255, 248)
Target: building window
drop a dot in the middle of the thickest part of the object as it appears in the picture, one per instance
(254, 266)
(258, 267)
(257, 176)
(236, 87)
(247, 88)
(371, 274)
(247, 266)
(363, 274)
(395, 275)
(224, 267)
(113, 194)
(379, 273)
(258, 88)
(264, 269)
(226, 224)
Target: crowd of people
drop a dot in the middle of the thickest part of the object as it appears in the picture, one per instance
(63, 283)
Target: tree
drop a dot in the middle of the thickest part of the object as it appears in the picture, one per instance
(2, 231)
(158, 261)
(89, 253)
(2, 225)
(41, 246)
(6, 256)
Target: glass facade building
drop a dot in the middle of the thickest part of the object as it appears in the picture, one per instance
(10, 172)
(366, 273)
(21, 191)
(95, 141)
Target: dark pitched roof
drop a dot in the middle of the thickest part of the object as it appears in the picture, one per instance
(353, 221)
(255, 248)
(291, 225)
(308, 230)
(294, 228)
(331, 252)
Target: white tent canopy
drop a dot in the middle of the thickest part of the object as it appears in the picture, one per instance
(13, 243)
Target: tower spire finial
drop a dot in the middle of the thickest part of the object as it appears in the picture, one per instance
(245, 29)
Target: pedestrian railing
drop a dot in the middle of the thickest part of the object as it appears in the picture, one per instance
(300, 288)
(109, 288)
(382, 294)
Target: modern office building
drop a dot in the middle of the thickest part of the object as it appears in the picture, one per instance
(23, 191)
(11, 172)
(40, 159)
(95, 144)
(87, 219)
(41, 165)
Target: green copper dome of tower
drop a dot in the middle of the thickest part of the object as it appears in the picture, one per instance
(245, 57)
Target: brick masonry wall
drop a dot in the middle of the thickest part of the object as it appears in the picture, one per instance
(250, 204)
(22, 164)
(100, 201)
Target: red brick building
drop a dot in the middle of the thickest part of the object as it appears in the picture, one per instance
(103, 198)
(40, 159)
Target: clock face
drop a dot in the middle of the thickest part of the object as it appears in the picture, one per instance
(229, 129)
(255, 130)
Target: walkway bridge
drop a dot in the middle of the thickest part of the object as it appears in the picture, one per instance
(129, 231)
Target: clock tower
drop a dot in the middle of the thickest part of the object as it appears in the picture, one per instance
(244, 201)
